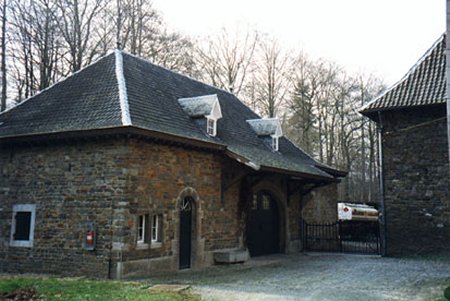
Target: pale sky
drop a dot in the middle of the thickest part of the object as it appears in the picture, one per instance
(383, 37)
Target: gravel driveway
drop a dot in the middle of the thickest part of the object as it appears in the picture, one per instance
(312, 277)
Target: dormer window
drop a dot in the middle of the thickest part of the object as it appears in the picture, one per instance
(211, 127)
(275, 143)
(269, 129)
(206, 106)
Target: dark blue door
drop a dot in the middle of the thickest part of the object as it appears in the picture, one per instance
(185, 233)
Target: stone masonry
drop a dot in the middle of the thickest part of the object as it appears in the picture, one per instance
(112, 180)
(416, 178)
(70, 185)
(320, 205)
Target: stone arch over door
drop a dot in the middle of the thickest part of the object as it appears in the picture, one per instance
(188, 197)
(276, 215)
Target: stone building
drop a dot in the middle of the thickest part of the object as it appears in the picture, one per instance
(415, 164)
(126, 169)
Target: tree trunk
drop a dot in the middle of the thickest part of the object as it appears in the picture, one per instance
(3, 67)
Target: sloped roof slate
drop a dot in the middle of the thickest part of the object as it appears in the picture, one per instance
(91, 100)
(424, 84)
(70, 105)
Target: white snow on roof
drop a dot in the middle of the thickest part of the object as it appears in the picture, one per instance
(123, 97)
(266, 127)
(206, 105)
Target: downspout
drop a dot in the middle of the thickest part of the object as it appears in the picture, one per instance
(448, 76)
(110, 262)
(383, 227)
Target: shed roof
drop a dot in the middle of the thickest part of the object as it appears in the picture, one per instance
(122, 91)
(424, 84)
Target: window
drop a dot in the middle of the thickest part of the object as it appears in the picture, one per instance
(211, 127)
(149, 230)
(141, 229)
(255, 202)
(275, 143)
(266, 202)
(156, 228)
(22, 230)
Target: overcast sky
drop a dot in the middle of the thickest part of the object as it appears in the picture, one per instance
(384, 37)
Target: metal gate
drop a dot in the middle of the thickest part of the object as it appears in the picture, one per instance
(342, 236)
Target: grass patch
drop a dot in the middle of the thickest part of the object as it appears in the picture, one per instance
(79, 289)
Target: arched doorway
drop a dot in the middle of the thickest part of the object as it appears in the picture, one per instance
(186, 216)
(263, 225)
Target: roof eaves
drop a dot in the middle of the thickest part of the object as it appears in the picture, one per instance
(123, 97)
(114, 130)
(257, 167)
(299, 174)
(242, 159)
(332, 171)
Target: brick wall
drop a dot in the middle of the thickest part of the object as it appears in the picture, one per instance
(416, 173)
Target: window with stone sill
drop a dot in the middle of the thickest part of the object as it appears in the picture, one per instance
(149, 230)
(142, 231)
(22, 226)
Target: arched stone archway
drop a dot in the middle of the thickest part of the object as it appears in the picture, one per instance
(265, 229)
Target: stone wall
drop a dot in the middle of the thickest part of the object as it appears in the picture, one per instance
(159, 177)
(416, 177)
(111, 182)
(320, 205)
(70, 185)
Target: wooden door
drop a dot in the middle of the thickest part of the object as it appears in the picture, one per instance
(185, 233)
(263, 226)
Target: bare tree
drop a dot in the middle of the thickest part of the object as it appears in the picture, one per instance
(273, 67)
(3, 64)
(226, 58)
(137, 25)
(301, 118)
(36, 49)
(75, 21)
(141, 30)
(22, 51)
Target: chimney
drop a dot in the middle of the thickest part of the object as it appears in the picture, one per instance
(448, 76)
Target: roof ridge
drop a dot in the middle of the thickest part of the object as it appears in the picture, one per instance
(56, 83)
(123, 96)
(407, 74)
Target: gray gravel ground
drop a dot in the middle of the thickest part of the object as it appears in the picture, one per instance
(314, 277)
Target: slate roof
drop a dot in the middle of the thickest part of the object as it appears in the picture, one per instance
(424, 84)
(121, 91)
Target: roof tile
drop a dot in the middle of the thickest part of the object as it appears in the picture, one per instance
(424, 84)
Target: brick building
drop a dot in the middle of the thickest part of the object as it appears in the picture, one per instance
(415, 158)
(126, 169)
